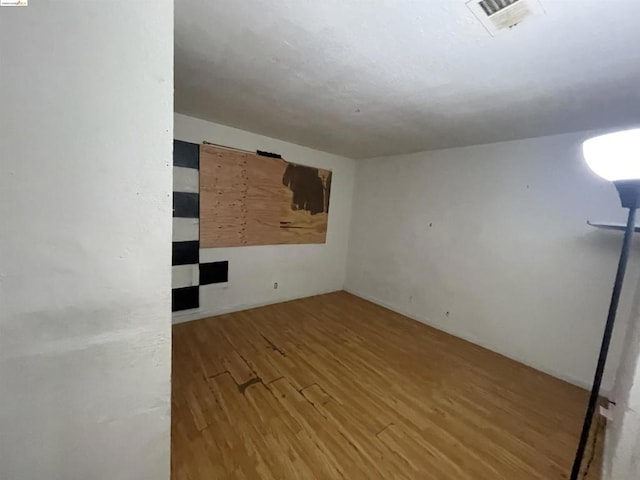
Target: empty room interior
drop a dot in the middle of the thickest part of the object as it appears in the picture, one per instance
(320, 240)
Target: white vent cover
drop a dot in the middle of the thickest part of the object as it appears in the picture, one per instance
(500, 15)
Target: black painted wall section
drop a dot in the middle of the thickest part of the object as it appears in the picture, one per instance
(185, 253)
(214, 272)
(185, 298)
(186, 154)
(186, 205)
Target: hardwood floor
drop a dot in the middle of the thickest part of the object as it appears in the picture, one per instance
(335, 387)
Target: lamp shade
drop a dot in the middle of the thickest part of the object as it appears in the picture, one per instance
(614, 156)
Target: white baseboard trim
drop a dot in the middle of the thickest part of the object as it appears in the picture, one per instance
(188, 316)
(471, 339)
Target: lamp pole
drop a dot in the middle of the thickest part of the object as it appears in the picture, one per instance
(629, 191)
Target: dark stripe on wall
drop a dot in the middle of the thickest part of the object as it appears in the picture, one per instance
(185, 298)
(186, 154)
(268, 154)
(185, 253)
(186, 205)
(215, 272)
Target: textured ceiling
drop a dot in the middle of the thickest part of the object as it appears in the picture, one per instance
(378, 77)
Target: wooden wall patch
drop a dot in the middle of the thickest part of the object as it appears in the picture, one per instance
(248, 199)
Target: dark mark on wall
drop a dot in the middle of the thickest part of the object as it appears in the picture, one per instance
(310, 191)
(327, 191)
(186, 154)
(214, 272)
(288, 225)
(268, 154)
(185, 298)
(185, 253)
(186, 205)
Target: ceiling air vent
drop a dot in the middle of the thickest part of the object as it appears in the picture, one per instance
(501, 15)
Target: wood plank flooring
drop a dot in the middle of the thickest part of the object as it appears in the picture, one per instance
(335, 387)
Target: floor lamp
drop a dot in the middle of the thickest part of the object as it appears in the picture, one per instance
(615, 157)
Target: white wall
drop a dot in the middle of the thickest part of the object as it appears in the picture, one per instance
(496, 236)
(622, 447)
(85, 200)
(299, 270)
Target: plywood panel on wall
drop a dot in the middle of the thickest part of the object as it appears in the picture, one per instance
(250, 199)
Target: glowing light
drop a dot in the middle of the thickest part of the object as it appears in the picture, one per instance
(614, 156)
